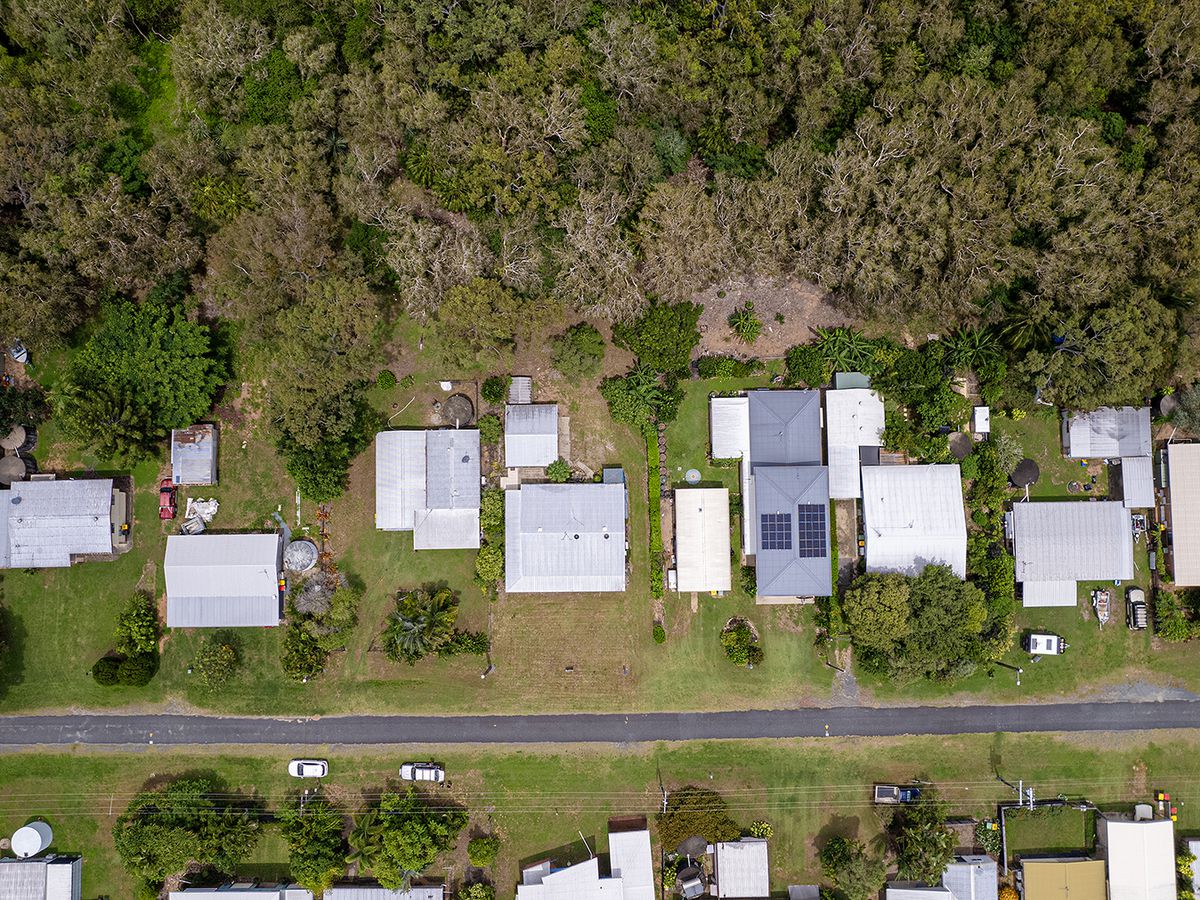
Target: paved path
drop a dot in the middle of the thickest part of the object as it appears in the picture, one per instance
(615, 728)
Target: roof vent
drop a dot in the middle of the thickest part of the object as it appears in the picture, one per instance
(466, 459)
(576, 537)
(606, 535)
(16, 501)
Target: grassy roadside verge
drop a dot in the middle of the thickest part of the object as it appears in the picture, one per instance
(539, 798)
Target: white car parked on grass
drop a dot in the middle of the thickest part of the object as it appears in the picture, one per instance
(308, 768)
(423, 772)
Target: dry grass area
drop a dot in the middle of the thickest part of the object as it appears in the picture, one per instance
(803, 305)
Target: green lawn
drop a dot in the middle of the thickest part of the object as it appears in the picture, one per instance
(1040, 434)
(540, 798)
(1049, 829)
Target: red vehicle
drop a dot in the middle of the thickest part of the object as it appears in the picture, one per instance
(166, 499)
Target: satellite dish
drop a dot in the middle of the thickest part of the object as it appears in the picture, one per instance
(692, 476)
(31, 840)
(693, 847)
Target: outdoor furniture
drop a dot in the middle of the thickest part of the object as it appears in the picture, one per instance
(12, 468)
(14, 439)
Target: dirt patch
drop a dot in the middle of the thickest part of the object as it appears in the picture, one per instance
(1139, 781)
(803, 306)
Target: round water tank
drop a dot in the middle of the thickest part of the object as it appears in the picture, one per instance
(300, 556)
(31, 840)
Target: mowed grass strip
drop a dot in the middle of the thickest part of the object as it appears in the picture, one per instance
(538, 799)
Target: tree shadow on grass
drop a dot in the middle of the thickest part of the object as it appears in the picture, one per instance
(13, 635)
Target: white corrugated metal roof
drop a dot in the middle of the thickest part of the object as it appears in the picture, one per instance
(913, 517)
(853, 419)
(564, 537)
(578, 882)
(1137, 482)
(289, 892)
(452, 468)
(972, 878)
(702, 544)
(729, 427)
(45, 878)
(194, 455)
(48, 522)
(520, 389)
(222, 580)
(1141, 859)
(741, 869)
(446, 529)
(630, 860)
(917, 892)
(1049, 593)
(1072, 540)
(375, 892)
(1183, 491)
(530, 434)
(1110, 431)
(399, 478)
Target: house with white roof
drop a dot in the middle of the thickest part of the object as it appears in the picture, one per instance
(916, 892)
(854, 419)
(702, 542)
(1057, 544)
(48, 524)
(50, 877)
(428, 482)
(530, 434)
(1140, 857)
(223, 580)
(741, 869)
(1183, 509)
(564, 538)
(377, 892)
(630, 863)
(913, 517)
(974, 877)
(1121, 435)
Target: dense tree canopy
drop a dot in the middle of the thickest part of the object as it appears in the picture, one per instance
(1034, 167)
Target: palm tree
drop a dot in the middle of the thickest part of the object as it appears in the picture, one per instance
(366, 839)
(973, 348)
(422, 622)
(846, 349)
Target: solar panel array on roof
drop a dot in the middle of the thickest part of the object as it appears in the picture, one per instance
(775, 531)
(812, 530)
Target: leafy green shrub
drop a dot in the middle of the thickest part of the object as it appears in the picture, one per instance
(660, 633)
(385, 380)
(578, 352)
(987, 836)
(663, 337)
(695, 810)
(137, 670)
(313, 829)
(745, 324)
(491, 511)
(270, 90)
(495, 388)
(1171, 621)
(489, 428)
(303, 656)
(748, 581)
(216, 661)
(806, 365)
(969, 466)
(478, 891)
(559, 471)
(483, 850)
(740, 644)
(137, 627)
(489, 563)
(104, 671)
(726, 367)
(761, 829)
(475, 643)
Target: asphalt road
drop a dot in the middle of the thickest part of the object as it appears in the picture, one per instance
(585, 728)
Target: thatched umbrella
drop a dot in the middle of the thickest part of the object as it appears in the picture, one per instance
(12, 468)
(14, 439)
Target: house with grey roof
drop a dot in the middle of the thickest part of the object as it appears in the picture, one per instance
(1057, 544)
(773, 432)
(562, 538)
(50, 877)
(428, 482)
(530, 434)
(223, 580)
(194, 455)
(792, 505)
(741, 869)
(246, 890)
(50, 523)
(1123, 437)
